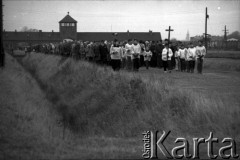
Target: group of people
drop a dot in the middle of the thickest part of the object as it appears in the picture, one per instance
(185, 57)
(132, 54)
(168, 56)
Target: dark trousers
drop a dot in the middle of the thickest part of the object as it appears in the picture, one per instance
(183, 64)
(169, 65)
(147, 64)
(129, 63)
(159, 61)
(90, 59)
(173, 63)
(116, 64)
(188, 66)
(123, 63)
(199, 65)
(135, 64)
(2, 59)
(192, 65)
(153, 61)
(165, 65)
(141, 61)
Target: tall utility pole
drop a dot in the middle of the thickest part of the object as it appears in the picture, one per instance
(1, 26)
(225, 33)
(206, 17)
(169, 30)
(2, 54)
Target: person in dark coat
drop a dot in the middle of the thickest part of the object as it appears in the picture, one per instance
(159, 48)
(104, 52)
(2, 57)
(90, 52)
(142, 52)
(96, 51)
(153, 62)
(82, 51)
(173, 47)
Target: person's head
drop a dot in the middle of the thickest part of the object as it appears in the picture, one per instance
(147, 49)
(166, 45)
(121, 43)
(130, 41)
(165, 41)
(182, 46)
(135, 41)
(191, 45)
(116, 42)
(174, 43)
(200, 42)
(147, 43)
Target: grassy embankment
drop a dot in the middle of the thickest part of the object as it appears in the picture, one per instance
(95, 101)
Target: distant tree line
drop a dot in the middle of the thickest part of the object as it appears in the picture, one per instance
(235, 34)
(26, 29)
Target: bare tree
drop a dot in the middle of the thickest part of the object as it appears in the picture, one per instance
(235, 34)
(173, 39)
(26, 29)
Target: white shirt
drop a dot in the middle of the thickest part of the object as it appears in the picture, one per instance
(116, 52)
(182, 53)
(142, 49)
(136, 51)
(123, 52)
(129, 50)
(164, 54)
(147, 55)
(177, 53)
(200, 51)
(191, 54)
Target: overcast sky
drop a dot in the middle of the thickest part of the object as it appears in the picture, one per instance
(120, 16)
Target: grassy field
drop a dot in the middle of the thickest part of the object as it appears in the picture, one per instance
(223, 54)
(93, 112)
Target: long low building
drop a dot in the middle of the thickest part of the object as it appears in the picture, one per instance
(68, 30)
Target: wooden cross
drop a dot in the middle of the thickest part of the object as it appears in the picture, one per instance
(169, 30)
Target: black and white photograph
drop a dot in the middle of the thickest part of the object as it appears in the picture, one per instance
(120, 79)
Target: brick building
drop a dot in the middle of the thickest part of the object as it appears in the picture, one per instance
(68, 30)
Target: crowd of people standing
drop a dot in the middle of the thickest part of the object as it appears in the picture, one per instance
(169, 56)
(133, 54)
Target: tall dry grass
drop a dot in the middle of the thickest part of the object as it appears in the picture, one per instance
(93, 100)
